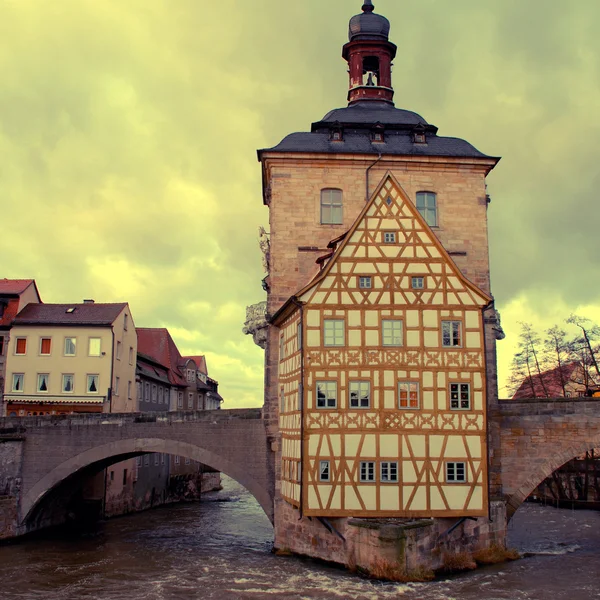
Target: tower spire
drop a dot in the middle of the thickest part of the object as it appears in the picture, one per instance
(368, 6)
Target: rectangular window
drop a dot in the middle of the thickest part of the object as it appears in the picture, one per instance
(117, 381)
(451, 334)
(166, 398)
(156, 459)
(392, 333)
(92, 384)
(365, 282)
(146, 460)
(124, 476)
(154, 394)
(18, 381)
(456, 472)
(326, 394)
(190, 400)
(94, 346)
(333, 332)
(418, 283)
(427, 206)
(138, 461)
(147, 392)
(389, 472)
(160, 395)
(42, 382)
(389, 237)
(130, 355)
(408, 394)
(331, 207)
(360, 394)
(177, 460)
(125, 321)
(282, 400)
(180, 400)
(367, 471)
(460, 396)
(70, 346)
(1, 343)
(162, 459)
(281, 347)
(138, 387)
(21, 345)
(45, 346)
(324, 471)
(187, 461)
(119, 350)
(67, 384)
(129, 389)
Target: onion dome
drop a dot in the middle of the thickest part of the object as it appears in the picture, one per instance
(368, 25)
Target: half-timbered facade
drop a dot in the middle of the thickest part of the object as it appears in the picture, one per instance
(382, 375)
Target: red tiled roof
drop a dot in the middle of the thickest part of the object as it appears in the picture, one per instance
(14, 286)
(10, 312)
(551, 381)
(200, 363)
(158, 344)
(56, 314)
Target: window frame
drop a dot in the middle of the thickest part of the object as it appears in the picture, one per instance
(460, 333)
(90, 346)
(331, 204)
(18, 339)
(88, 379)
(452, 478)
(335, 343)
(73, 341)
(390, 465)
(41, 348)
(359, 383)
(425, 195)
(393, 237)
(383, 332)
(367, 471)
(22, 380)
(64, 376)
(327, 398)
(282, 400)
(409, 384)
(325, 471)
(367, 279)
(459, 400)
(414, 278)
(39, 383)
(281, 347)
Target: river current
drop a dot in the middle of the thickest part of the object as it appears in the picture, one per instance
(221, 550)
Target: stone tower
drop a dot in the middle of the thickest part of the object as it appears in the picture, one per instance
(316, 185)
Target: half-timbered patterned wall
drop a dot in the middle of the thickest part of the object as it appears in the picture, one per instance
(419, 440)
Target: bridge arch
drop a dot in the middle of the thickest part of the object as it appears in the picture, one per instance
(544, 470)
(129, 448)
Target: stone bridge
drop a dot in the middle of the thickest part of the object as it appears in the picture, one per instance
(41, 454)
(529, 439)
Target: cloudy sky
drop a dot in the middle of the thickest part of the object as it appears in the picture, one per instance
(128, 131)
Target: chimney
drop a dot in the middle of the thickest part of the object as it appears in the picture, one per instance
(88, 301)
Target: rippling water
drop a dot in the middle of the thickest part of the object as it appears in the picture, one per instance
(220, 550)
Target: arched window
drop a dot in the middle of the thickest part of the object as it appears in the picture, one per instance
(331, 207)
(427, 206)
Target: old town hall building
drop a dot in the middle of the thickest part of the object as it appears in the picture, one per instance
(380, 358)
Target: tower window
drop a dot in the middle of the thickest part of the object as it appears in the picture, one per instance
(331, 207)
(371, 70)
(427, 206)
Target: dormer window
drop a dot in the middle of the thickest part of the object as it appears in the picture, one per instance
(419, 136)
(336, 133)
(378, 134)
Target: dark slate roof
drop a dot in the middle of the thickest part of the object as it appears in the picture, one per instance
(56, 314)
(359, 120)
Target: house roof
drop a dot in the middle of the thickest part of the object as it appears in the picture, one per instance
(550, 380)
(10, 292)
(60, 314)
(200, 362)
(15, 286)
(158, 344)
(148, 367)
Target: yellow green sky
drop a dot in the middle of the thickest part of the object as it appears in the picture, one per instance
(128, 131)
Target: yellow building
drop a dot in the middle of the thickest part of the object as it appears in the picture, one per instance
(382, 375)
(64, 358)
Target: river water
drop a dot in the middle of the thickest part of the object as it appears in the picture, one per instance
(221, 550)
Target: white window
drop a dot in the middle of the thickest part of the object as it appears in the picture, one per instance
(45, 346)
(21, 345)
(154, 394)
(389, 237)
(392, 333)
(365, 282)
(460, 396)
(408, 394)
(18, 382)
(117, 382)
(70, 346)
(326, 394)
(67, 384)
(42, 382)
(360, 394)
(190, 400)
(367, 471)
(139, 388)
(94, 346)
(129, 389)
(331, 207)
(451, 334)
(160, 395)
(324, 471)
(180, 400)
(333, 332)
(177, 460)
(130, 355)
(92, 384)
(147, 392)
(167, 399)
(389, 472)
(418, 283)
(456, 472)
(119, 350)
(427, 206)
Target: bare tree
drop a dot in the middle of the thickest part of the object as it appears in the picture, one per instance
(590, 333)
(557, 350)
(531, 340)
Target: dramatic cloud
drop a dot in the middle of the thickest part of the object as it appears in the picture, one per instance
(128, 133)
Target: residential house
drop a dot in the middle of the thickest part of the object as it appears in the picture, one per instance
(15, 294)
(570, 380)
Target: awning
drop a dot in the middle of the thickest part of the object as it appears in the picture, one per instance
(23, 399)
